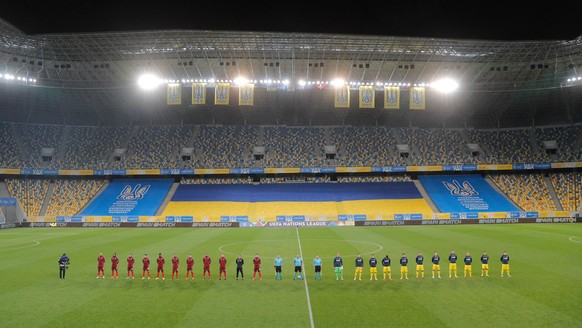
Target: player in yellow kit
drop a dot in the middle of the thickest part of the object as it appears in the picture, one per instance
(419, 265)
(386, 267)
(505, 264)
(485, 264)
(468, 270)
(436, 264)
(403, 266)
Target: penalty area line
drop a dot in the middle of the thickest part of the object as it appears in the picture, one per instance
(305, 282)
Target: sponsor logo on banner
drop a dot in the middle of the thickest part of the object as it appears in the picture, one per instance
(101, 225)
(7, 225)
(555, 220)
(408, 216)
(442, 222)
(298, 224)
(156, 225)
(378, 223)
(215, 225)
(498, 221)
(351, 217)
(234, 218)
(290, 218)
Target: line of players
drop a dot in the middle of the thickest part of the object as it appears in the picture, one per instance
(298, 263)
(436, 269)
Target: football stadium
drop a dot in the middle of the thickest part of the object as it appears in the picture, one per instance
(305, 151)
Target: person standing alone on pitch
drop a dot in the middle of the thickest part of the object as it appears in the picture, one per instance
(222, 267)
(239, 267)
(63, 265)
(114, 266)
(206, 261)
(101, 266)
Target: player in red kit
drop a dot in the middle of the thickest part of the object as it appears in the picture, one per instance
(114, 266)
(206, 266)
(146, 266)
(175, 263)
(189, 266)
(130, 263)
(257, 267)
(161, 262)
(222, 267)
(101, 266)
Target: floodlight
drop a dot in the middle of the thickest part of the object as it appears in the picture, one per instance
(338, 82)
(445, 85)
(148, 81)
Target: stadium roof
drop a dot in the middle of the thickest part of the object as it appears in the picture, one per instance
(90, 78)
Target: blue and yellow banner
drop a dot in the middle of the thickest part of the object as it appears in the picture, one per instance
(418, 98)
(174, 95)
(310, 201)
(367, 96)
(391, 97)
(221, 93)
(198, 93)
(246, 95)
(342, 96)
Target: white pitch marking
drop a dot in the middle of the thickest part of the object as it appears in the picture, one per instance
(305, 281)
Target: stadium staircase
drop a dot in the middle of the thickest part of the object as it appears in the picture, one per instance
(396, 133)
(552, 192)
(195, 133)
(533, 141)
(125, 144)
(340, 208)
(167, 199)
(18, 142)
(103, 187)
(578, 143)
(64, 141)
(498, 190)
(4, 193)
(47, 198)
(426, 196)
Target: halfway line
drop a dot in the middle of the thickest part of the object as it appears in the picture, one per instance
(305, 281)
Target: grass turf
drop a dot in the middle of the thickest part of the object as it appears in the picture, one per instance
(545, 289)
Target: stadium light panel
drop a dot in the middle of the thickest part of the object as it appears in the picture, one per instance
(338, 82)
(445, 85)
(148, 81)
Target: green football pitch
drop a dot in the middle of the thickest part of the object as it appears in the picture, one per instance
(545, 289)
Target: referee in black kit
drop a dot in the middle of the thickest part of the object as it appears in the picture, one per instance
(63, 265)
